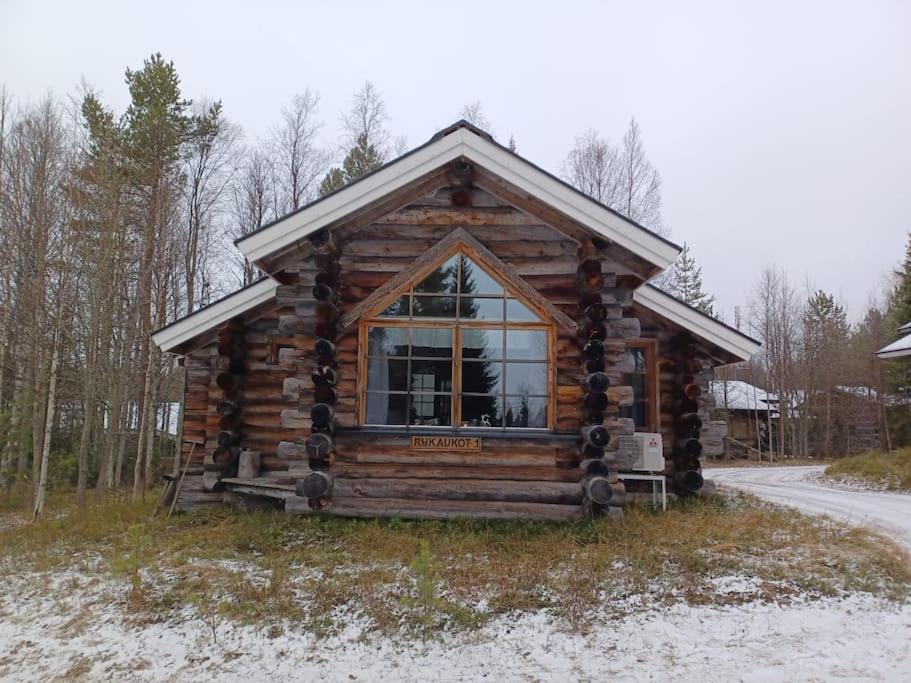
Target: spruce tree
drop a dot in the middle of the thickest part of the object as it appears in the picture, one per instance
(686, 282)
(900, 309)
(360, 160)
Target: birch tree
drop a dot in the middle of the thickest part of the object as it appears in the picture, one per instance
(620, 177)
(297, 159)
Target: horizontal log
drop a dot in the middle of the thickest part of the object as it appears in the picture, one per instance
(466, 489)
(690, 481)
(442, 509)
(315, 485)
(248, 464)
(505, 458)
(292, 387)
(623, 395)
(596, 382)
(291, 450)
(396, 471)
(689, 447)
(596, 435)
(594, 467)
(322, 413)
(601, 491)
(319, 445)
(294, 419)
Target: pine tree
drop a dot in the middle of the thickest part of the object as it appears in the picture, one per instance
(900, 309)
(686, 282)
(360, 160)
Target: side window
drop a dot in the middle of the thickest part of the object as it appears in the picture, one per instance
(641, 378)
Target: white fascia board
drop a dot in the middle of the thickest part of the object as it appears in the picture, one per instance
(462, 142)
(348, 200)
(205, 319)
(896, 349)
(576, 206)
(698, 323)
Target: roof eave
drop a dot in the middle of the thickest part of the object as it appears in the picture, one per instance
(169, 338)
(737, 344)
(462, 142)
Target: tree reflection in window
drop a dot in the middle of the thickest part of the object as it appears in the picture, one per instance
(502, 358)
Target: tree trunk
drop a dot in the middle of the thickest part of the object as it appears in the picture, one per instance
(41, 491)
(143, 427)
(82, 458)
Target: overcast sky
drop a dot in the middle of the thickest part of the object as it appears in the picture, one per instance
(782, 130)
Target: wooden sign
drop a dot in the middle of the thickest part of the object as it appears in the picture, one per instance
(470, 444)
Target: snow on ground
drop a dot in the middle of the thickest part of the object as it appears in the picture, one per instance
(75, 627)
(889, 513)
(849, 483)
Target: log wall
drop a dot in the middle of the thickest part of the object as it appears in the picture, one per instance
(513, 469)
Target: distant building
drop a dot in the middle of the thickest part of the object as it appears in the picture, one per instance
(748, 410)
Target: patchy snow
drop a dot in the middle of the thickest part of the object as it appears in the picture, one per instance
(846, 482)
(73, 626)
(889, 513)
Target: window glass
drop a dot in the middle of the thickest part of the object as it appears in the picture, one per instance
(638, 411)
(443, 280)
(528, 412)
(475, 280)
(431, 375)
(526, 344)
(431, 342)
(482, 411)
(384, 374)
(433, 307)
(503, 373)
(476, 308)
(487, 344)
(526, 378)
(387, 341)
(482, 377)
(431, 410)
(398, 308)
(516, 311)
(387, 409)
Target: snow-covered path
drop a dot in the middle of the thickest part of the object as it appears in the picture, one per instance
(889, 513)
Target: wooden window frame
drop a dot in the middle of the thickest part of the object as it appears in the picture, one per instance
(652, 383)
(457, 325)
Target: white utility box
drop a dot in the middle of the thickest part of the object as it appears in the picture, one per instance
(644, 452)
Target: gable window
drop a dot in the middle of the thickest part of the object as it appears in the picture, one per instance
(643, 378)
(457, 349)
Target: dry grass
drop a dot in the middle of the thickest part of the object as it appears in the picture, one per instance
(422, 578)
(887, 470)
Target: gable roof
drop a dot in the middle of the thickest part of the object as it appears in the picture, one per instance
(899, 348)
(460, 140)
(735, 394)
(214, 314)
(170, 337)
(703, 326)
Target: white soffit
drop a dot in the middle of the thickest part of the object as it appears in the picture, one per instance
(460, 143)
(213, 315)
(700, 324)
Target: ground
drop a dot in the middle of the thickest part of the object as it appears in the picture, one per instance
(719, 589)
(876, 470)
(804, 488)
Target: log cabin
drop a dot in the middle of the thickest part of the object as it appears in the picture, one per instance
(457, 334)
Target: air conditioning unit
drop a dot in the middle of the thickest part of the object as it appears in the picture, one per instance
(641, 452)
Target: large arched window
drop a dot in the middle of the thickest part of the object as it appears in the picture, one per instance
(457, 349)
